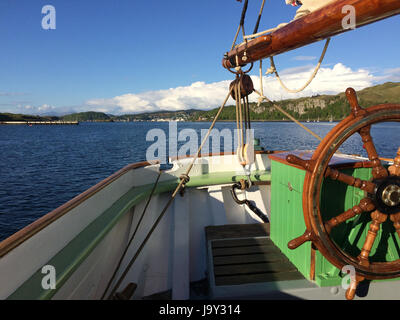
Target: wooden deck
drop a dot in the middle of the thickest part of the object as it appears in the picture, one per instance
(243, 254)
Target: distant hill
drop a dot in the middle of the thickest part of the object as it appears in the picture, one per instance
(388, 92)
(24, 117)
(322, 107)
(87, 116)
(182, 115)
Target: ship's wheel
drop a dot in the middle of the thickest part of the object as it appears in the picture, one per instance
(381, 200)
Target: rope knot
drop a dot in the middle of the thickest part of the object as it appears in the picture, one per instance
(185, 178)
(260, 99)
(270, 70)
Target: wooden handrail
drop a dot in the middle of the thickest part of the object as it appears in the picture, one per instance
(318, 25)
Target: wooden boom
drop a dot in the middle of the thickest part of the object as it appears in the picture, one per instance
(318, 25)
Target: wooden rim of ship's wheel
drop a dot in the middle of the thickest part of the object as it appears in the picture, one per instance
(382, 193)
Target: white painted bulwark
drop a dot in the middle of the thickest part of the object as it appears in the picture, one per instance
(175, 254)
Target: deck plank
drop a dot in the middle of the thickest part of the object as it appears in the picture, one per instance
(256, 278)
(248, 258)
(250, 268)
(241, 242)
(237, 231)
(218, 252)
(245, 254)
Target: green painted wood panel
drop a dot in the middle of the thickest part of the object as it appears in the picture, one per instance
(287, 222)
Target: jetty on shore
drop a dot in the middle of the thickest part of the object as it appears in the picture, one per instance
(56, 122)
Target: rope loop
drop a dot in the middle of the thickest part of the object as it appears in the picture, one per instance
(240, 71)
(185, 178)
(272, 69)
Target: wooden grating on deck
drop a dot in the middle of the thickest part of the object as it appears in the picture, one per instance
(245, 254)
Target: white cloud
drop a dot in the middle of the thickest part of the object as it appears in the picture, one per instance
(201, 95)
(392, 71)
(392, 74)
(20, 107)
(328, 81)
(198, 95)
(45, 108)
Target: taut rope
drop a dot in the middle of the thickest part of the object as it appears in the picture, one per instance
(184, 178)
(264, 98)
(132, 237)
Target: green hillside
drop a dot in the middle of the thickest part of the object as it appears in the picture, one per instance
(322, 107)
(86, 116)
(24, 117)
(182, 115)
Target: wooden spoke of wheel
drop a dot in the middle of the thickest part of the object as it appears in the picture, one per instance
(377, 219)
(334, 174)
(351, 291)
(396, 222)
(378, 171)
(365, 205)
(351, 181)
(394, 169)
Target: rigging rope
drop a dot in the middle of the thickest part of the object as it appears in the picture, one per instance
(243, 87)
(273, 69)
(132, 237)
(241, 23)
(262, 98)
(313, 75)
(184, 178)
(259, 17)
(240, 124)
(255, 35)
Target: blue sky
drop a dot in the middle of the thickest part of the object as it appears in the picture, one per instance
(121, 56)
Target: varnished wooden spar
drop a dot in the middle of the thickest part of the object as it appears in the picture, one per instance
(318, 25)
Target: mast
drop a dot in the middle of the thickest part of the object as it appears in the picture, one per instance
(318, 25)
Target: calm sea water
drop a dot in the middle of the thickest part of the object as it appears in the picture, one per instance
(42, 167)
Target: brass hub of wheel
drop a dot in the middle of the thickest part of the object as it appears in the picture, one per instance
(391, 195)
(387, 195)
